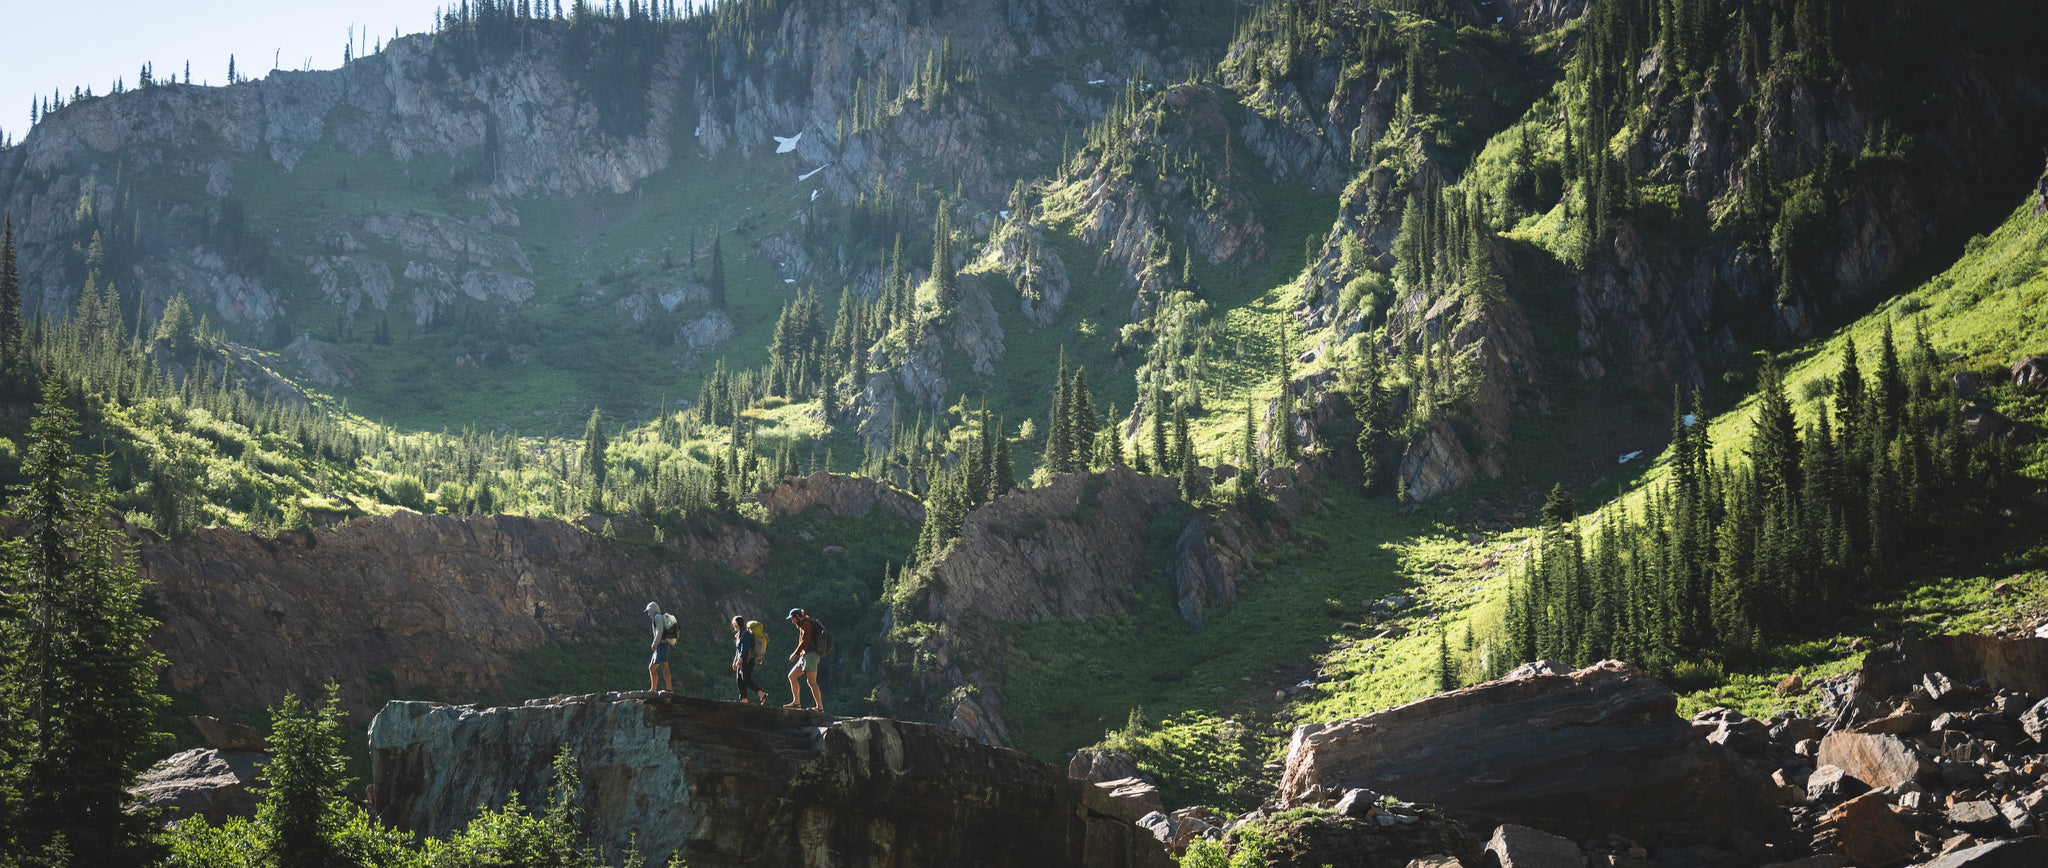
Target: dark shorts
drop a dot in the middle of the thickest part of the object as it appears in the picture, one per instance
(660, 654)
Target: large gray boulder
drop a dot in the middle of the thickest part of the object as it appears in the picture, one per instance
(1596, 751)
(726, 784)
(206, 783)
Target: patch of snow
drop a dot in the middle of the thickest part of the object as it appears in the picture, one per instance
(814, 195)
(807, 175)
(1098, 81)
(1627, 457)
(1003, 214)
(785, 145)
(789, 280)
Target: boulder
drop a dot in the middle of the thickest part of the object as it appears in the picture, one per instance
(1387, 836)
(1587, 753)
(2030, 373)
(1977, 816)
(1830, 784)
(2022, 853)
(1878, 760)
(206, 783)
(729, 784)
(1136, 797)
(1867, 832)
(1096, 766)
(2035, 721)
(1515, 846)
(228, 735)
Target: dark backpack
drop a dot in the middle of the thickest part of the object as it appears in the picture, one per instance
(670, 632)
(824, 643)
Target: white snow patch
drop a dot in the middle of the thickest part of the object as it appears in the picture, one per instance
(785, 145)
(1630, 456)
(1003, 214)
(807, 175)
(1098, 81)
(814, 195)
(789, 280)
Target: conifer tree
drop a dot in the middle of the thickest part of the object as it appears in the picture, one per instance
(716, 283)
(1059, 441)
(1006, 470)
(303, 789)
(74, 670)
(1160, 460)
(10, 294)
(1081, 422)
(594, 447)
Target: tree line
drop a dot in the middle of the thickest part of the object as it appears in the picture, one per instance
(1735, 552)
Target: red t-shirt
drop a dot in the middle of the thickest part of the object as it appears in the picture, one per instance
(806, 636)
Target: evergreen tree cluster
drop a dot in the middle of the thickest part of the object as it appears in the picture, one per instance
(78, 698)
(1731, 554)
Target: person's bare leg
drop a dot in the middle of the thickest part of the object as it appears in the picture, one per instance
(796, 689)
(651, 683)
(668, 676)
(812, 677)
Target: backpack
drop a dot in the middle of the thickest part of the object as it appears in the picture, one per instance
(670, 632)
(760, 639)
(824, 643)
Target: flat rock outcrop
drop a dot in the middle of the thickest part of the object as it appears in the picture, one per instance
(1588, 753)
(727, 784)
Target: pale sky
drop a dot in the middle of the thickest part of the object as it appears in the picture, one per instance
(49, 46)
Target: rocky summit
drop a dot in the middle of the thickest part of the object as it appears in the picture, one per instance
(721, 783)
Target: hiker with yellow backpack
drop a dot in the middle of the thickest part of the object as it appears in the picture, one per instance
(749, 645)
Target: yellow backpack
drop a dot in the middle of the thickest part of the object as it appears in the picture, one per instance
(760, 639)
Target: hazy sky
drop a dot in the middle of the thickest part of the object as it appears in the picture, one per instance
(46, 46)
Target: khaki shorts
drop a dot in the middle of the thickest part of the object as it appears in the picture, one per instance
(809, 662)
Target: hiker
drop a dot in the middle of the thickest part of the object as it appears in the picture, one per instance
(665, 630)
(749, 643)
(807, 660)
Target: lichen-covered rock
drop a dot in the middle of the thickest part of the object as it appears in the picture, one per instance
(728, 784)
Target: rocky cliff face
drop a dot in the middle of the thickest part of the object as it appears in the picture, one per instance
(720, 783)
(1069, 549)
(412, 605)
(1893, 180)
(401, 605)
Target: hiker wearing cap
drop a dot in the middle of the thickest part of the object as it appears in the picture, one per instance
(665, 630)
(748, 644)
(807, 660)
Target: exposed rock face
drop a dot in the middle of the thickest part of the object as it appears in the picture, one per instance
(1071, 548)
(388, 606)
(1890, 673)
(841, 495)
(1593, 752)
(208, 783)
(726, 784)
(1655, 312)
(1360, 829)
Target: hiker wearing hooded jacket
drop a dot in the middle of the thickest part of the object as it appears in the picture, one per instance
(807, 660)
(664, 639)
